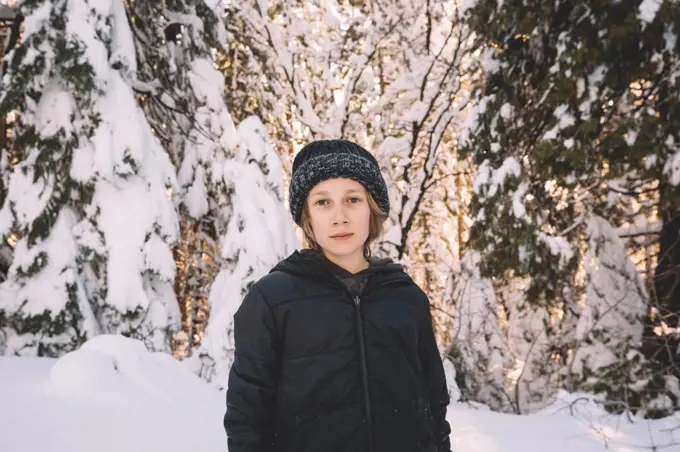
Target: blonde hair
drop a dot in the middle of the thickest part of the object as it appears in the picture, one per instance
(375, 227)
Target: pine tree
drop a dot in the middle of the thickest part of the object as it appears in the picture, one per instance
(562, 124)
(43, 307)
(183, 97)
(259, 233)
(88, 198)
(479, 351)
(607, 358)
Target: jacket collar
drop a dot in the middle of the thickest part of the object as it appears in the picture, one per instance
(311, 264)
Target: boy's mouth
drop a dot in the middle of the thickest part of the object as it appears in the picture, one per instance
(342, 236)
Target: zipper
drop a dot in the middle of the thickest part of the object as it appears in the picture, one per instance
(364, 371)
(362, 344)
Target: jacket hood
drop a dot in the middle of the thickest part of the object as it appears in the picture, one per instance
(311, 264)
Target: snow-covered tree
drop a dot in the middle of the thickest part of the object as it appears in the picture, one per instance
(183, 96)
(563, 126)
(43, 306)
(88, 198)
(425, 69)
(615, 300)
(393, 76)
(608, 358)
(259, 233)
(479, 349)
(502, 345)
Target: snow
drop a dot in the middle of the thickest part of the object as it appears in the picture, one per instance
(631, 137)
(211, 136)
(595, 80)
(109, 395)
(491, 179)
(416, 113)
(125, 222)
(124, 48)
(45, 294)
(23, 187)
(113, 395)
(615, 298)
(507, 111)
(510, 166)
(648, 9)
(558, 246)
(465, 5)
(671, 39)
(36, 20)
(55, 110)
(673, 168)
(489, 63)
(573, 422)
(564, 120)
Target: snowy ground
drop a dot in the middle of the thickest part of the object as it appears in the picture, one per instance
(113, 396)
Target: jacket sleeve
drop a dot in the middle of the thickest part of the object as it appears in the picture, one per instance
(253, 378)
(433, 369)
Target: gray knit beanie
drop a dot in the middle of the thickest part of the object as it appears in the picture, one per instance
(329, 159)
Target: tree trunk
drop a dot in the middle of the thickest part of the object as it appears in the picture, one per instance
(665, 296)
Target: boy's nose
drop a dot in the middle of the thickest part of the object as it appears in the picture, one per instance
(339, 216)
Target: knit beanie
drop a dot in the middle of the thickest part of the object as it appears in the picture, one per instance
(329, 159)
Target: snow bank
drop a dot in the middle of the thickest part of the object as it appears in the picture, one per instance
(575, 422)
(115, 369)
(112, 395)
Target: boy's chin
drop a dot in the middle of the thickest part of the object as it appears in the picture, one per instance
(344, 250)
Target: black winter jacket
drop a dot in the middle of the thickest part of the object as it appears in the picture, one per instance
(318, 368)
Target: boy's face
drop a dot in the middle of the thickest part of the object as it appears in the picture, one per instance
(340, 217)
